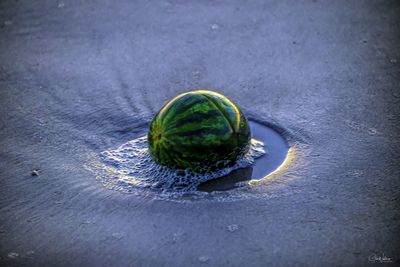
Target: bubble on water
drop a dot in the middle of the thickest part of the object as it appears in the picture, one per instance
(13, 255)
(214, 26)
(204, 259)
(131, 167)
(118, 236)
(233, 227)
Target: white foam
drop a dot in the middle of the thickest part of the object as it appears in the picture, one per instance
(130, 167)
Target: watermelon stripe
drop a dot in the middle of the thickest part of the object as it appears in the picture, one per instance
(158, 150)
(217, 132)
(168, 106)
(168, 156)
(197, 129)
(184, 155)
(183, 104)
(204, 124)
(226, 116)
(232, 112)
(199, 109)
(189, 154)
(196, 120)
(170, 149)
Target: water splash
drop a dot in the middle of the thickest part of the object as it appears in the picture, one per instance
(130, 167)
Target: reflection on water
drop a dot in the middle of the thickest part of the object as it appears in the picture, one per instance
(276, 152)
(227, 182)
(276, 147)
(129, 168)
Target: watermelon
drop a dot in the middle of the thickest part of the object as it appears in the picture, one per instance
(199, 130)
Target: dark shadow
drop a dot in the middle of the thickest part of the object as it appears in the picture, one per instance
(228, 181)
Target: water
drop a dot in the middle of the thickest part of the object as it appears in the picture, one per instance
(276, 148)
(129, 168)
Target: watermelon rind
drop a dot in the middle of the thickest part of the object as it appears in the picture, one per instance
(199, 130)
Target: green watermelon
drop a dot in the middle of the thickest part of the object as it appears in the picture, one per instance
(199, 130)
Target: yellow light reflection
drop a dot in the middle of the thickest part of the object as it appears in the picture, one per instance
(169, 103)
(288, 160)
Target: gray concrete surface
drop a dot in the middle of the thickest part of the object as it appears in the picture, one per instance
(78, 77)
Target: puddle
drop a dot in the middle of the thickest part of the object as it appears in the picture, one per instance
(129, 168)
(276, 149)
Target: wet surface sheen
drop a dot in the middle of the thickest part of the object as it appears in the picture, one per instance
(276, 148)
(129, 168)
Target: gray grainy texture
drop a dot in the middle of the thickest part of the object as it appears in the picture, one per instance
(78, 77)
